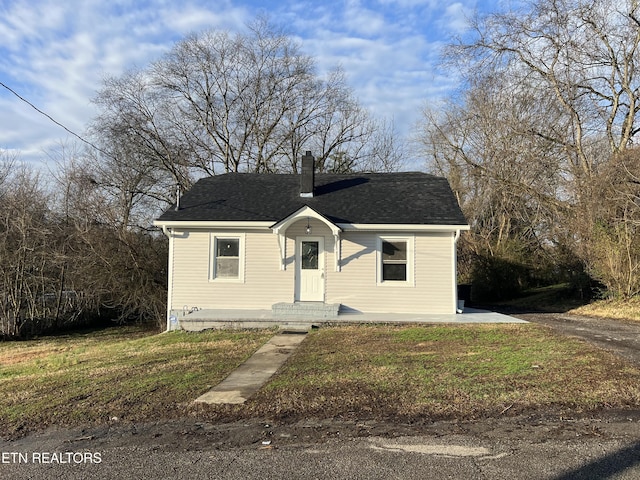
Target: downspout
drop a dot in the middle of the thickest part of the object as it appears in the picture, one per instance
(337, 250)
(169, 234)
(282, 246)
(456, 236)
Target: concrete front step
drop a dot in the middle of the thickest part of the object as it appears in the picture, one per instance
(305, 310)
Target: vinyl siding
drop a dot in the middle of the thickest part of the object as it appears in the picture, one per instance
(264, 283)
(355, 287)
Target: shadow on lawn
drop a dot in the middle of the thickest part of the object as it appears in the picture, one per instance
(523, 309)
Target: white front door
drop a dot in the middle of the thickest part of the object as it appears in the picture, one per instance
(310, 269)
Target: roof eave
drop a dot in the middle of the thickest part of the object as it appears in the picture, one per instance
(208, 224)
(369, 227)
(348, 227)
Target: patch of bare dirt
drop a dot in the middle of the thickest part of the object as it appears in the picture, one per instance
(188, 435)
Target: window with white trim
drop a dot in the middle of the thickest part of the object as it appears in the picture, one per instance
(395, 260)
(227, 258)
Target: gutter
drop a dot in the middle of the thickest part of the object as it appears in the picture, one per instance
(454, 256)
(169, 235)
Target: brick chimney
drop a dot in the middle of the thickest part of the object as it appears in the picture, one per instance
(307, 176)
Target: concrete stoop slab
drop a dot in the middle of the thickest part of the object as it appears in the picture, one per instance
(252, 374)
(241, 319)
(288, 325)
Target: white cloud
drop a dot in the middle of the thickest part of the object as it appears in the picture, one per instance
(57, 53)
(25, 21)
(456, 17)
(193, 19)
(362, 20)
(411, 3)
(390, 60)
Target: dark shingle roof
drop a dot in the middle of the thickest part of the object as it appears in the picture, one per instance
(386, 198)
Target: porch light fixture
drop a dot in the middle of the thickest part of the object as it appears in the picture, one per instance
(308, 229)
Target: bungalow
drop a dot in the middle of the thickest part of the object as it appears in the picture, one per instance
(313, 244)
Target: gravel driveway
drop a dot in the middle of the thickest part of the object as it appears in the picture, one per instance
(618, 336)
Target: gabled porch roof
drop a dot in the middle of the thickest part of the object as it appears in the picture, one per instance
(280, 228)
(304, 212)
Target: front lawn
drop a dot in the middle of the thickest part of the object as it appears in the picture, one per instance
(112, 375)
(411, 373)
(446, 372)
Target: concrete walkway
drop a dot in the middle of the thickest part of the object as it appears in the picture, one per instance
(251, 375)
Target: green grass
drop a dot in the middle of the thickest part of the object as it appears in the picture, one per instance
(126, 373)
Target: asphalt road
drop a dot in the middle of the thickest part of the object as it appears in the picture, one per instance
(610, 452)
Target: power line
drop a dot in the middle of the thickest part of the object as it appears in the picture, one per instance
(55, 121)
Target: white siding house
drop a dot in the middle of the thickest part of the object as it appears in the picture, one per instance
(357, 243)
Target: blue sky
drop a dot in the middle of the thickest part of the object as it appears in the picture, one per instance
(55, 54)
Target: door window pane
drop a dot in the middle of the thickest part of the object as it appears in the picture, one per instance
(309, 255)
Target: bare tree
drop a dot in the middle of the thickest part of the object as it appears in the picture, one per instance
(137, 124)
(559, 82)
(30, 267)
(612, 252)
(221, 102)
(583, 52)
(508, 195)
(116, 261)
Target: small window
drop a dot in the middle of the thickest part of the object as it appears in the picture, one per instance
(227, 258)
(394, 261)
